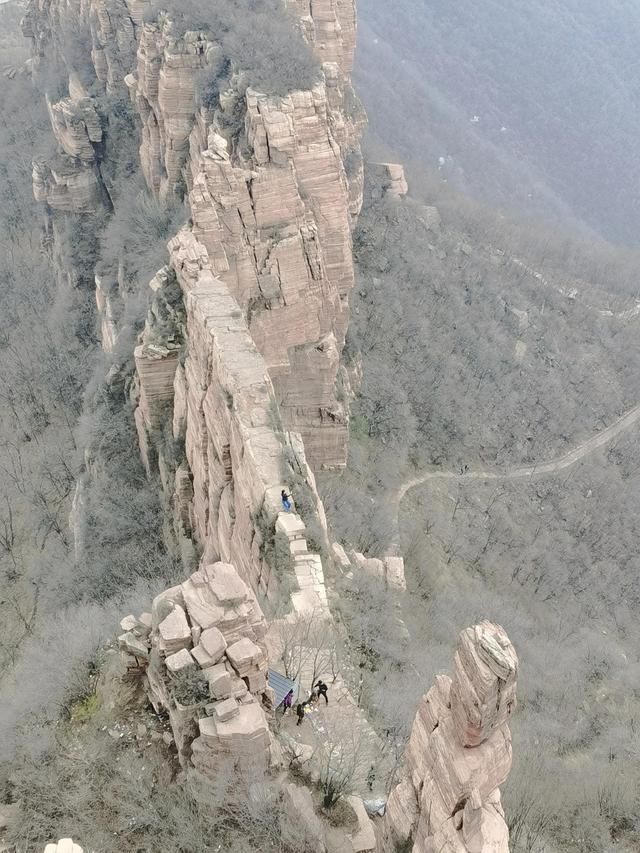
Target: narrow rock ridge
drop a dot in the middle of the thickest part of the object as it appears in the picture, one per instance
(264, 266)
(274, 213)
(459, 753)
(227, 493)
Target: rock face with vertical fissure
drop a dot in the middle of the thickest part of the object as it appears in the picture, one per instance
(264, 265)
(459, 753)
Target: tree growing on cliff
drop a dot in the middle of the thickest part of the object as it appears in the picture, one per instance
(276, 63)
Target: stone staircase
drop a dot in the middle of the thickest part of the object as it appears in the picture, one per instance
(311, 596)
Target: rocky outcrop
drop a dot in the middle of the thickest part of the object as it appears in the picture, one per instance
(205, 664)
(459, 753)
(389, 569)
(76, 126)
(65, 184)
(65, 845)
(223, 407)
(264, 267)
(277, 230)
(275, 214)
(392, 178)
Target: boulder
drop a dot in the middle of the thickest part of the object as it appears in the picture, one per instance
(211, 647)
(174, 631)
(299, 805)
(179, 661)
(340, 556)
(226, 709)
(134, 645)
(220, 681)
(65, 845)
(246, 657)
(364, 838)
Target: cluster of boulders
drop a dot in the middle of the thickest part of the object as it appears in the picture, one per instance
(459, 753)
(389, 569)
(204, 664)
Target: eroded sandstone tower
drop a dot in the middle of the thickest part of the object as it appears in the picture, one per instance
(459, 753)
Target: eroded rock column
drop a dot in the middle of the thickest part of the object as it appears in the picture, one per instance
(459, 753)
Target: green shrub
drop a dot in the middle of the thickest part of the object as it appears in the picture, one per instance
(189, 686)
(277, 62)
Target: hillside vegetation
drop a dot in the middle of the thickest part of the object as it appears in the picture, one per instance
(530, 105)
(61, 599)
(470, 364)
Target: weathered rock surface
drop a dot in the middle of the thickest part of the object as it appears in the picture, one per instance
(364, 838)
(76, 126)
(66, 185)
(275, 216)
(211, 624)
(459, 753)
(395, 182)
(65, 845)
(224, 404)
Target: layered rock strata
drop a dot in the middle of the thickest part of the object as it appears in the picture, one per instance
(206, 636)
(220, 401)
(392, 177)
(265, 266)
(273, 201)
(459, 753)
(275, 213)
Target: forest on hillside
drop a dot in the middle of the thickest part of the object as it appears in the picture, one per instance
(477, 343)
(58, 415)
(471, 362)
(529, 106)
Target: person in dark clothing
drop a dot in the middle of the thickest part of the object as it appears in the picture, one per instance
(371, 777)
(286, 500)
(300, 712)
(322, 688)
(288, 701)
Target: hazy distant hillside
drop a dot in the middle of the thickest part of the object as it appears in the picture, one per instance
(532, 105)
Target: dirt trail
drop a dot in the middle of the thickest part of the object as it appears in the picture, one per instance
(566, 461)
(574, 293)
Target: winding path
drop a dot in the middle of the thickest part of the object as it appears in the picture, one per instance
(574, 293)
(566, 461)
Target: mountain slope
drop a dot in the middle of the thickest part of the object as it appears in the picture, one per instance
(531, 106)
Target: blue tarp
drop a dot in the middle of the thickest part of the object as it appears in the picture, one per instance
(281, 685)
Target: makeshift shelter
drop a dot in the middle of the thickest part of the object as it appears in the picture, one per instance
(281, 686)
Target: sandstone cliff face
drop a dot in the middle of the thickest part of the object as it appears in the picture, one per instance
(459, 753)
(265, 268)
(274, 215)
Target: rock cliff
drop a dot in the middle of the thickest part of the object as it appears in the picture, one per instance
(459, 753)
(238, 386)
(201, 648)
(273, 184)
